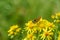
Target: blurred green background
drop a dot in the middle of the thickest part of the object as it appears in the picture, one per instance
(20, 11)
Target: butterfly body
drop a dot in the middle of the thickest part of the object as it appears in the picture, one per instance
(36, 20)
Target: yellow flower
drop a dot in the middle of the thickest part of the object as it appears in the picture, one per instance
(45, 24)
(30, 27)
(14, 27)
(53, 16)
(58, 14)
(46, 34)
(41, 26)
(13, 30)
(30, 37)
(10, 33)
(18, 29)
(30, 24)
(9, 30)
(51, 26)
(58, 21)
(34, 30)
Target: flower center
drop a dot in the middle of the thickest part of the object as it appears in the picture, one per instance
(47, 33)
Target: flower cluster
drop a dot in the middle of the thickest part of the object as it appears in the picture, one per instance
(43, 28)
(56, 17)
(13, 30)
(38, 29)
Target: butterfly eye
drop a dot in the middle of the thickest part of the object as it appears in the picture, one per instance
(34, 21)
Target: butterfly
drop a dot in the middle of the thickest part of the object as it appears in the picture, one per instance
(36, 20)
